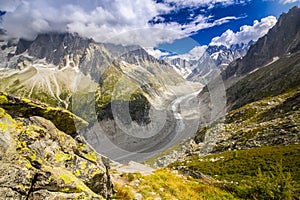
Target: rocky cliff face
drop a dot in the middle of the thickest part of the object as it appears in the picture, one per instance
(274, 79)
(223, 56)
(216, 59)
(56, 65)
(282, 39)
(40, 161)
(68, 49)
(54, 47)
(182, 66)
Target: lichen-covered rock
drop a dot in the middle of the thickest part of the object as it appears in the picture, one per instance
(39, 161)
(64, 120)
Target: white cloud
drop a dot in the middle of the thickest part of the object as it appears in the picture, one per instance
(196, 3)
(194, 54)
(9, 5)
(246, 33)
(156, 52)
(209, 4)
(289, 1)
(117, 21)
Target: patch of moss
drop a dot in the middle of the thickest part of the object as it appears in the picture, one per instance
(77, 172)
(3, 99)
(26, 100)
(64, 120)
(2, 112)
(91, 156)
(6, 121)
(61, 157)
(81, 196)
(28, 165)
(96, 172)
(72, 183)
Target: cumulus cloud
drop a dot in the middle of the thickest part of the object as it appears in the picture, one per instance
(289, 1)
(9, 5)
(116, 21)
(195, 3)
(194, 54)
(157, 53)
(246, 33)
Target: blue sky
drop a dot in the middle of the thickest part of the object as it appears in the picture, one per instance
(180, 26)
(249, 11)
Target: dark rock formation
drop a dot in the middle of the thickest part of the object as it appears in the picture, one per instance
(271, 80)
(216, 59)
(38, 161)
(62, 119)
(283, 38)
(54, 47)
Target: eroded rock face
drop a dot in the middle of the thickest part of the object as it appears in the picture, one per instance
(21, 107)
(282, 39)
(38, 161)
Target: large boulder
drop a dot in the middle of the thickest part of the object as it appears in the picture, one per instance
(39, 161)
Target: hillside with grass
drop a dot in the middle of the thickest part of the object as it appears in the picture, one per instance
(166, 184)
(260, 173)
(253, 151)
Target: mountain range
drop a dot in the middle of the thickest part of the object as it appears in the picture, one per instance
(225, 125)
(214, 58)
(258, 137)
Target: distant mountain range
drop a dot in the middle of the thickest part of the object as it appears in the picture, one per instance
(51, 67)
(104, 84)
(252, 140)
(214, 58)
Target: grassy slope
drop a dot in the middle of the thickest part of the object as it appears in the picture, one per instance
(264, 121)
(243, 164)
(270, 121)
(253, 173)
(168, 184)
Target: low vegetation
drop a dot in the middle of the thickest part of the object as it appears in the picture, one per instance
(168, 184)
(270, 121)
(260, 173)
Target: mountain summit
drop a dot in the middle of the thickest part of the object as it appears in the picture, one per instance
(282, 39)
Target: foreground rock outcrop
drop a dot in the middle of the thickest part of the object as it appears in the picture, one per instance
(40, 161)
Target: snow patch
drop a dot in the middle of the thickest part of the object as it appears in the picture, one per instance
(273, 60)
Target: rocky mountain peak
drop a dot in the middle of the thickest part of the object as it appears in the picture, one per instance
(139, 55)
(54, 46)
(217, 58)
(182, 66)
(282, 39)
